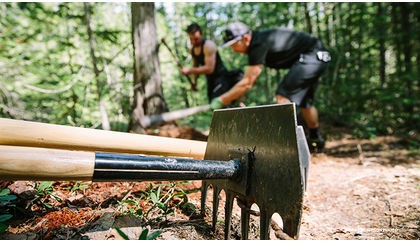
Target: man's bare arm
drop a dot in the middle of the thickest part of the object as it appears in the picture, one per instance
(240, 88)
(209, 50)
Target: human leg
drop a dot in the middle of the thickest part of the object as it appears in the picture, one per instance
(315, 141)
(310, 115)
(280, 99)
(299, 86)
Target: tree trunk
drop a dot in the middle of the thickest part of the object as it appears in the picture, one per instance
(307, 18)
(407, 49)
(318, 23)
(381, 34)
(148, 97)
(396, 36)
(327, 16)
(99, 83)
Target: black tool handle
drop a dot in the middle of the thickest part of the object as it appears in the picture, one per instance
(123, 167)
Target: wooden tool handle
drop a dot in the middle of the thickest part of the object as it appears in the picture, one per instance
(27, 163)
(35, 134)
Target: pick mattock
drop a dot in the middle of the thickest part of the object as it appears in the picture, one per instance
(255, 154)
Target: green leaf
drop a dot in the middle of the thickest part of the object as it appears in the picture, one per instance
(129, 201)
(8, 198)
(5, 217)
(143, 235)
(44, 185)
(154, 197)
(161, 206)
(4, 192)
(47, 205)
(154, 235)
(3, 227)
(158, 192)
(122, 234)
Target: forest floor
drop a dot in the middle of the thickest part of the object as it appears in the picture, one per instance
(357, 189)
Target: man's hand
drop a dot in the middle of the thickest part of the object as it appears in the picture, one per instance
(185, 70)
(216, 104)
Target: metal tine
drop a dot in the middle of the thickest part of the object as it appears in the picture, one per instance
(204, 189)
(228, 213)
(291, 224)
(216, 192)
(245, 220)
(265, 219)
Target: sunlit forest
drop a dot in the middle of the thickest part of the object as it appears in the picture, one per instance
(62, 63)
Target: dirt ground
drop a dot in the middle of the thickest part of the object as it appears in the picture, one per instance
(357, 189)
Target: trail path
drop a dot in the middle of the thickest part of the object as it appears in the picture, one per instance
(357, 189)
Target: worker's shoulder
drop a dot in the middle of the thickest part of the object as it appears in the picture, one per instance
(210, 45)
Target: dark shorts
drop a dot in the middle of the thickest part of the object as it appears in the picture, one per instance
(223, 83)
(300, 82)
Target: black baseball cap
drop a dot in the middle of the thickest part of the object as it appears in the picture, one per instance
(234, 33)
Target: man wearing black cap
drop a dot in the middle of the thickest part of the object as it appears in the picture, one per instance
(206, 60)
(280, 48)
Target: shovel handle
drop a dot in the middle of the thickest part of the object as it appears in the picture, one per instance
(35, 134)
(28, 163)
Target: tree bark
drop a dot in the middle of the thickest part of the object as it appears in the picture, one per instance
(148, 95)
(99, 83)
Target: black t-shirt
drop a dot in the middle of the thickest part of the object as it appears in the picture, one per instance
(278, 48)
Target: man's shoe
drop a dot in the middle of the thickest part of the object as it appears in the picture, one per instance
(316, 145)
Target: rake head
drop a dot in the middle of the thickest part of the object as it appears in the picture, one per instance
(275, 161)
(256, 155)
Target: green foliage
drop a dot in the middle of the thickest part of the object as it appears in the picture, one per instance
(47, 75)
(77, 185)
(143, 236)
(131, 207)
(45, 192)
(161, 200)
(5, 204)
(165, 201)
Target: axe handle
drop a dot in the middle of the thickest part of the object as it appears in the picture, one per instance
(35, 134)
(193, 84)
(152, 120)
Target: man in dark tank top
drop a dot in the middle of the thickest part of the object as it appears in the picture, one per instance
(207, 61)
(281, 48)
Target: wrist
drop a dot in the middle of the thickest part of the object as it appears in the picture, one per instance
(216, 103)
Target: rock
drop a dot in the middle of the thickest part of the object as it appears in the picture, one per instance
(24, 236)
(75, 199)
(23, 189)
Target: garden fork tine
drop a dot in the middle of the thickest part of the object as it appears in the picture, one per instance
(275, 158)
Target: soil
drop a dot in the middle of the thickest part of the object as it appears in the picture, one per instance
(357, 189)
